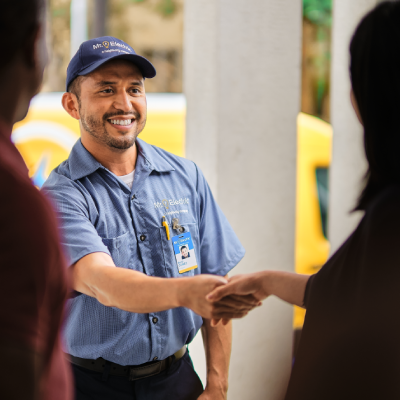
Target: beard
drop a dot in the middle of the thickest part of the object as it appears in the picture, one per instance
(97, 128)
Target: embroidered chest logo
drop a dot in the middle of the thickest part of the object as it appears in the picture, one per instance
(167, 203)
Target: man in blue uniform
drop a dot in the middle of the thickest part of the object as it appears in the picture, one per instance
(124, 206)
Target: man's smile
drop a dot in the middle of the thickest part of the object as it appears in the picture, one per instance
(122, 123)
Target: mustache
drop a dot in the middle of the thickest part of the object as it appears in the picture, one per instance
(132, 113)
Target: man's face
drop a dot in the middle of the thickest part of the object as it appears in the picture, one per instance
(184, 252)
(112, 104)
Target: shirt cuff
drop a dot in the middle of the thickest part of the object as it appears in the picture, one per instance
(76, 257)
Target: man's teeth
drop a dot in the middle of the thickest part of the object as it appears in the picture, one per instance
(122, 122)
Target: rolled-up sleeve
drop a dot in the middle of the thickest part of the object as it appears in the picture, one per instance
(78, 234)
(220, 248)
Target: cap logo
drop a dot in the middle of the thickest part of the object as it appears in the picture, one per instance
(106, 45)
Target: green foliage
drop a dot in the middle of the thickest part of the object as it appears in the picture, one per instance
(318, 12)
(166, 7)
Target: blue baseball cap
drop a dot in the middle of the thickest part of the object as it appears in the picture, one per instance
(95, 52)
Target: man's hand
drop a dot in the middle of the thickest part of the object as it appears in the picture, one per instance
(193, 294)
(213, 394)
(193, 291)
(246, 288)
(242, 292)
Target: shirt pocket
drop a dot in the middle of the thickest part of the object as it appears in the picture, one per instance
(170, 264)
(120, 248)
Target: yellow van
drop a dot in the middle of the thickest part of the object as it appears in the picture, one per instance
(45, 138)
(314, 144)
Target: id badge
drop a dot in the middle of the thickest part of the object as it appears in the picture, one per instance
(184, 252)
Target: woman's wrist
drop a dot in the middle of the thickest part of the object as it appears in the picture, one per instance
(262, 281)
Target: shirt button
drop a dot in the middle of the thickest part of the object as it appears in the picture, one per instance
(155, 320)
(133, 197)
(155, 358)
(142, 237)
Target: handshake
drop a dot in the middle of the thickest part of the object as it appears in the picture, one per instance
(222, 299)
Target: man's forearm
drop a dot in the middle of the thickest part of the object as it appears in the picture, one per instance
(97, 276)
(217, 343)
(133, 291)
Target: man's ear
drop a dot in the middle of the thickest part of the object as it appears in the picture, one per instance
(70, 104)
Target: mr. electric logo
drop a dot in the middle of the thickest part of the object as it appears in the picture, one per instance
(106, 45)
(166, 205)
(171, 202)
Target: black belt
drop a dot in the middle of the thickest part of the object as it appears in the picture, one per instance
(133, 372)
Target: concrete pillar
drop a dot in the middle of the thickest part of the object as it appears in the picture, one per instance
(242, 84)
(79, 29)
(348, 161)
(99, 18)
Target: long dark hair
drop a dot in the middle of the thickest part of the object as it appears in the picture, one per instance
(375, 78)
(18, 20)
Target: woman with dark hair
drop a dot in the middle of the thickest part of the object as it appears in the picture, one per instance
(350, 344)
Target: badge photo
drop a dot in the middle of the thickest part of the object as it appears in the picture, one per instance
(184, 252)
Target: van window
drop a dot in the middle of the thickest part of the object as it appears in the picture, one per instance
(323, 197)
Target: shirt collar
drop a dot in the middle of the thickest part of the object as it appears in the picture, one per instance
(153, 157)
(82, 163)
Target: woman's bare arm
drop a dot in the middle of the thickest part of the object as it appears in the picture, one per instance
(289, 287)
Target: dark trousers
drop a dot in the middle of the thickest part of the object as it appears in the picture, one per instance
(178, 382)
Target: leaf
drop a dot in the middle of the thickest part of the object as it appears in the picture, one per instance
(318, 11)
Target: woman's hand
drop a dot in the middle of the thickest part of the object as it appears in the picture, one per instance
(253, 288)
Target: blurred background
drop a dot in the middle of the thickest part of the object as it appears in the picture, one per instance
(283, 153)
(154, 28)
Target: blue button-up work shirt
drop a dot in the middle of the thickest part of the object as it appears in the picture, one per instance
(99, 213)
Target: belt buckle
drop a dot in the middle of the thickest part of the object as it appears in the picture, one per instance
(139, 373)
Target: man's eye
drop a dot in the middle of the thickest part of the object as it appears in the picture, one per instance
(106, 91)
(135, 91)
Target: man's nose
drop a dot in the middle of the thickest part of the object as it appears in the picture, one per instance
(122, 102)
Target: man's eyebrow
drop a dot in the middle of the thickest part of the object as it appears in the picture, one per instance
(105, 83)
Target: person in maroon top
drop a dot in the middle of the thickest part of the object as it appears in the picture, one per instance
(33, 280)
(350, 344)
